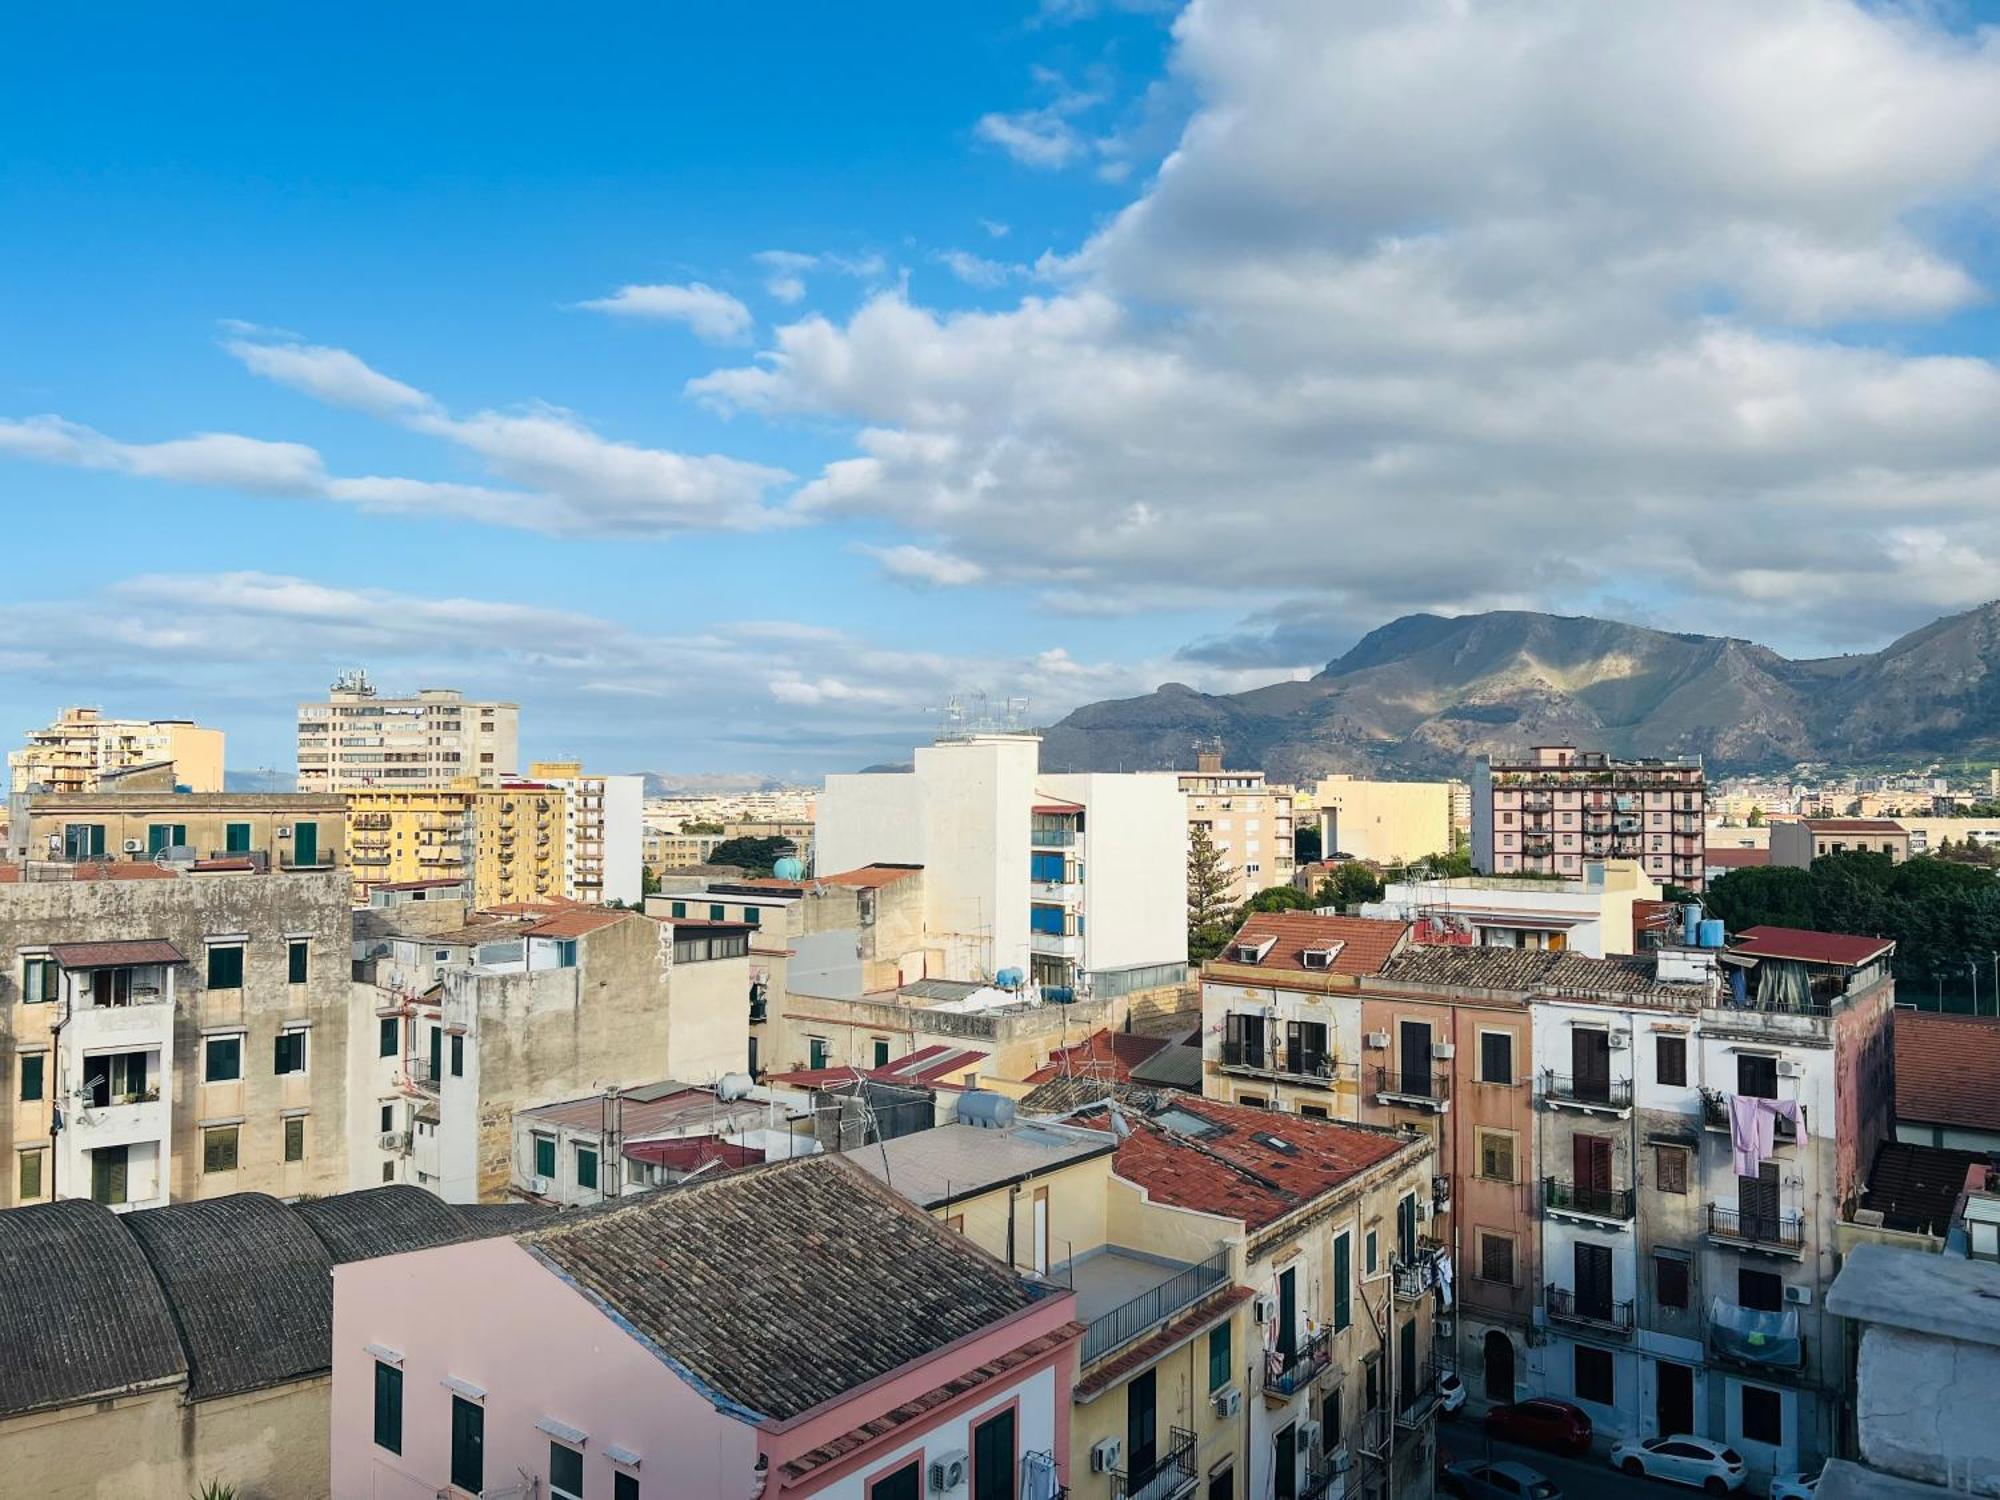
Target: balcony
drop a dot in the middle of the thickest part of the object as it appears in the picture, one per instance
(1414, 1088)
(1293, 1375)
(289, 860)
(1591, 1096)
(1757, 1339)
(1299, 1066)
(1589, 1205)
(1562, 1306)
(1170, 1476)
(125, 1121)
(1761, 1233)
(1122, 1295)
(371, 820)
(1052, 838)
(1417, 1399)
(1715, 1116)
(1056, 944)
(1332, 1469)
(1412, 1278)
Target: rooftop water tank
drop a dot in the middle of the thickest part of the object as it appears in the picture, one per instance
(985, 1109)
(1711, 933)
(1010, 979)
(1691, 924)
(733, 1086)
(791, 867)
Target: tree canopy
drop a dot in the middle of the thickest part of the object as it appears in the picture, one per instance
(752, 856)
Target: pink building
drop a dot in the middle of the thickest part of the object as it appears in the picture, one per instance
(792, 1329)
(1561, 809)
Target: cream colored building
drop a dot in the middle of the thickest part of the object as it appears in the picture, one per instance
(357, 739)
(279, 830)
(1388, 822)
(676, 850)
(1248, 821)
(74, 752)
(601, 831)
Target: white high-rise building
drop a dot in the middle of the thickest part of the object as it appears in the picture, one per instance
(1074, 880)
(358, 740)
(603, 832)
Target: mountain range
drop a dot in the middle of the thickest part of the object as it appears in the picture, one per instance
(1426, 694)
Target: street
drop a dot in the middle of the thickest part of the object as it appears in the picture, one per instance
(1581, 1478)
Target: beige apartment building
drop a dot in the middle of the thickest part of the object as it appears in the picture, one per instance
(1248, 820)
(357, 739)
(602, 818)
(273, 830)
(190, 1025)
(1799, 843)
(520, 842)
(510, 842)
(82, 746)
(1387, 822)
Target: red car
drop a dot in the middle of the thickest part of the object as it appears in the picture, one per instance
(1541, 1423)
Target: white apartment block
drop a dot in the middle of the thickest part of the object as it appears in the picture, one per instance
(602, 831)
(357, 739)
(1075, 881)
(1247, 820)
(81, 747)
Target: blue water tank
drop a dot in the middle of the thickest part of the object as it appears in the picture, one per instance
(1691, 924)
(985, 1109)
(1711, 933)
(1010, 979)
(1058, 994)
(791, 867)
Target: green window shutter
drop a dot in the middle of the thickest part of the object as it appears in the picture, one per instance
(586, 1167)
(297, 960)
(388, 1407)
(458, 1057)
(1343, 1283)
(565, 1472)
(31, 1077)
(31, 1174)
(305, 845)
(1218, 1358)
(752, 915)
(156, 837)
(225, 967)
(680, 908)
(224, 1061)
(236, 838)
(715, 913)
(816, 1052)
(295, 1138)
(391, 1036)
(545, 1156)
(468, 1445)
(437, 1052)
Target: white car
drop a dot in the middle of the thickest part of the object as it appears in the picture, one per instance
(1800, 1486)
(1451, 1391)
(1698, 1462)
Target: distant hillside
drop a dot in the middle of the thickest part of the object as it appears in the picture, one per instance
(259, 781)
(1425, 695)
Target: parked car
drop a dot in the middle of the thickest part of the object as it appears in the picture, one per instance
(1799, 1486)
(1451, 1391)
(1477, 1479)
(1542, 1423)
(1699, 1462)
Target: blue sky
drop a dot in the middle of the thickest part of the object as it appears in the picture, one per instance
(936, 381)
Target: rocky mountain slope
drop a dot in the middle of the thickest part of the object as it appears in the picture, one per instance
(1425, 694)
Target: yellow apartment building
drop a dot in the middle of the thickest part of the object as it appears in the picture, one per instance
(81, 746)
(1389, 822)
(520, 833)
(415, 834)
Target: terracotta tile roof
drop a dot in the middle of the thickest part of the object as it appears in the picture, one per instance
(115, 955)
(849, 1280)
(578, 923)
(1211, 1309)
(690, 1152)
(1366, 943)
(1526, 970)
(1854, 825)
(1735, 859)
(1809, 947)
(1110, 1054)
(548, 906)
(872, 877)
(1947, 1070)
(1252, 1165)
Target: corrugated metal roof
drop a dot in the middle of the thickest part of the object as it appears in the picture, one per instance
(116, 955)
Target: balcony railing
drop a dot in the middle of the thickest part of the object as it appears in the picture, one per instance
(1598, 1203)
(323, 860)
(1715, 1115)
(1284, 1062)
(1412, 1278)
(1150, 1308)
(1417, 1400)
(1781, 1232)
(1285, 1378)
(1560, 1089)
(1169, 1476)
(1607, 1316)
(1432, 1086)
(1052, 838)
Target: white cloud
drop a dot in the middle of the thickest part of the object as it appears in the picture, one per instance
(994, 229)
(1421, 284)
(912, 564)
(976, 270)
(715, 316)
(330, 375)
(786, 270)
(225, 460)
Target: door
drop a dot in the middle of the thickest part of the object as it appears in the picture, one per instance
(437, 1053)
(1590, 1159)
(305, 845)
(1416, 1055)
(107, 1174)
(1499, 1368)
(1757, 1203)
(1593, 1280)
(1406, 1365)
(1141, 1423)
(1288, 1313)
(1286, 1464)
(1590, 1062)
(1305, 1048)
(993, 1458)
(1245, 1038)
(1673, 1397)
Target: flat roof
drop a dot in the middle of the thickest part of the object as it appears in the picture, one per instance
(932, 1167)
(1946, 1296)
(664, 1108)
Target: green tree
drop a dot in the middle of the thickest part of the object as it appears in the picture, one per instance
(1354, 883)
(752, 856)
(1756, 818)
(701, 828)
(1277, 898)
(1305, 846)
(1208, 882)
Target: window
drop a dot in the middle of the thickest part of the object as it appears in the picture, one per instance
(1343, 1283)
(1251, 1101)
(32, 1068)
(162, 836)
(905, 1483)
(680, 908)
(218, 1148)
(624, 1486)
(1372, 1252)
(388, 1118)
(225, 967)
(993, 1458)
(1314, 1112)
(1670, 1169)
(565, 1472)
(881, 1053)
(1763, 1415)
(752, 915)
(1760, 1291)
(586, 1166)
(390, 1032)
(297, 961)
(1218, 1358)
(1670, 1061)
(545, 1156)
(815, 1052)
(468, 1445)
(1756, 1076)
(1496, 1259)
(1329, 1420)
(224, 1063)
(1670, 1282)
(1594, 1375)
(457, 1056)
(38, 980)
(295, 1138)
(288, 1053)
(236, 838)
(1496, 1057)
(388, 1407)
(388, 1171)
(31, 1175)
(1496, 1155)
(565, 953)
(83, 841)
(715, 914)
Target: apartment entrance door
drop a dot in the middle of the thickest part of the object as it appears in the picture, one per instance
(1673, 1397)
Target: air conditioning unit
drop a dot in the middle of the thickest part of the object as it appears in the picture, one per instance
(948, 1472)
(1339, 1461)
(1228, 1401)
(392, 1140)
(1378, 1041)
(55, 842)
(133, 846)
(284, 830)
(1444, 1051)
(540, 1186)
(1264, 1306)
(1105, 1454)
(1424, 1211)
(1537, 1337)
(1787, 1068)
(1618, 1041)
(1799, 1296)
(1308, 1433)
